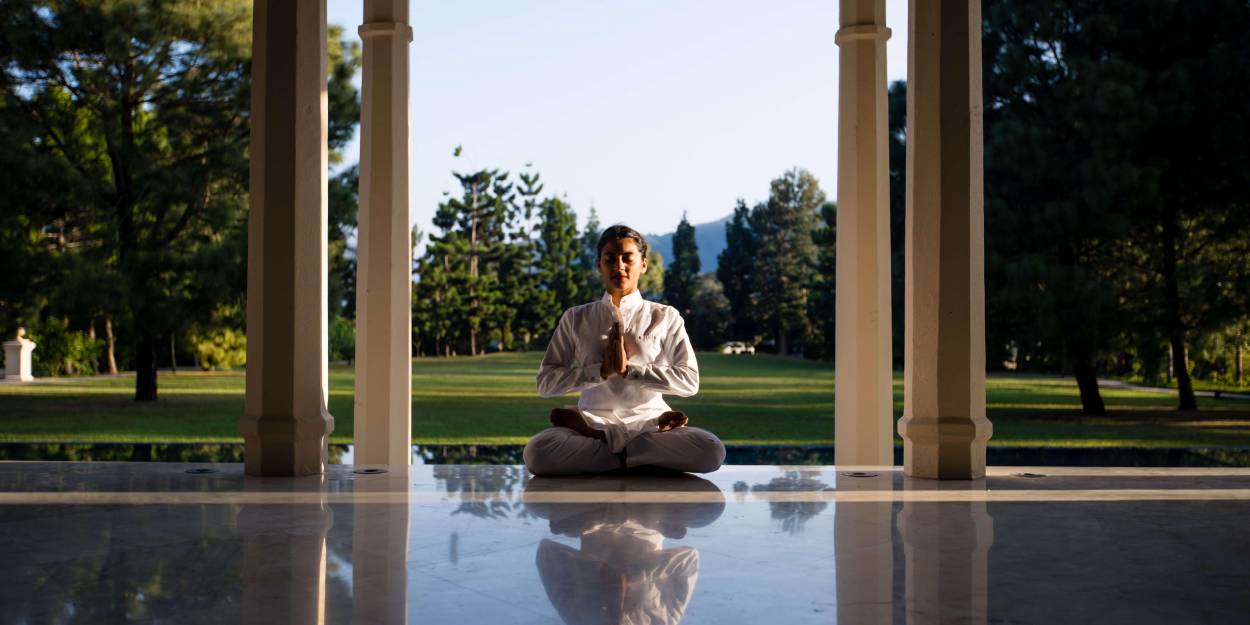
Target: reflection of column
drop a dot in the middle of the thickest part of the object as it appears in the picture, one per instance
(284, 558)
(944, 428)
(864, 411)
(946, 546)
(383, 417)
(380, 552)
(864, 547)
(285, 422)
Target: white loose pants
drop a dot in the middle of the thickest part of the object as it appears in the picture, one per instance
(562, 451)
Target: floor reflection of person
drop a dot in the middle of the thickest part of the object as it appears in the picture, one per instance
(622, 573)
(623, 353)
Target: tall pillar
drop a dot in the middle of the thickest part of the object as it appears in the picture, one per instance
(864, 402)
(383, 410)
(285, 422)
(944, 427)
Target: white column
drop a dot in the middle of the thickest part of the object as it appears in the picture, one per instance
(944, 427)
(285, 422)
(863, 411)
(383, 409)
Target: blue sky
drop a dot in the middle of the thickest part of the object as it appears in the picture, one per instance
(644, 108)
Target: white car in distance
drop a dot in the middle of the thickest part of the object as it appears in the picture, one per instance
(737, 347)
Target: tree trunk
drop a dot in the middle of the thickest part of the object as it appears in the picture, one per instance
(173, 355)
(1237, 364)
(110, 342)
(145, 368)
(783, 347)
(1087, 383)
(1184, 386)
(1172, 302)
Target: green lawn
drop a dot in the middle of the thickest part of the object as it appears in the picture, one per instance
(490, 399)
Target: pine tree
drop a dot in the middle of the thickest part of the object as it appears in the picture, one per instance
(681, 276)
(823, 298)
(735, 269)
(558, 264)
(786, 257)
(588, 260)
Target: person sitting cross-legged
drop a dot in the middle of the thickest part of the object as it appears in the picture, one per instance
(623, 353)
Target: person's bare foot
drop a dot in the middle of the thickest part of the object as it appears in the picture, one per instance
(672, 419)
(573, 420)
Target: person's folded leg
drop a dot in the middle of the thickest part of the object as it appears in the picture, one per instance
(682, 449)
(561, 451)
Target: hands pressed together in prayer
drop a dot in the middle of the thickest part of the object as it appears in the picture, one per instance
(614, 355)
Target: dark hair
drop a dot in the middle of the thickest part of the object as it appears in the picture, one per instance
(618, 232)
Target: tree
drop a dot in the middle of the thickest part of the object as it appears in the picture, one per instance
(137, 114)
(823, 298)
(588, 263)
(1115, 210)
(735, 270)
(681, 276)
(897, 106)
(709, 318)
(786, 257)
(524, 304)
(558, 268)
(142, 106)
(651, 284)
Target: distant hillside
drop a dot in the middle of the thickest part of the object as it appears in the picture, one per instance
(710, 237)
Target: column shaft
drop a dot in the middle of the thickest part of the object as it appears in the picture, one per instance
(285, 422)
(864, 401)
(383, 409)
(944, 427)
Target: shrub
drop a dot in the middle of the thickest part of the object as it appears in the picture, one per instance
(220, 348)
(60, 351)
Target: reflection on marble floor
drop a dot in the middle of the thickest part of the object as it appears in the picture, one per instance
(121, 542)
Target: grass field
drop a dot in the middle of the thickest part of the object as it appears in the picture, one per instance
(491, 399)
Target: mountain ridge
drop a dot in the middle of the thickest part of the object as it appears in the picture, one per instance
(708, 236)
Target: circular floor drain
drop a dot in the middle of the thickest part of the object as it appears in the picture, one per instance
(369, 471)
(202, 471)
(859, 474)
(1030, 475)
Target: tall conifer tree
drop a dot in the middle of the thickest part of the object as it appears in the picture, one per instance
(682, 274)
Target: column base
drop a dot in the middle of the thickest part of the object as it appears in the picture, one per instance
(944, 448)
(285, 447)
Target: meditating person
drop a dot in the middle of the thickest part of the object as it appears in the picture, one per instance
(623, 354)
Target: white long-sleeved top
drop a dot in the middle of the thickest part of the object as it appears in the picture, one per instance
(661, 361)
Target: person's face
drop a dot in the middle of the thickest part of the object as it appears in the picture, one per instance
(621, 264)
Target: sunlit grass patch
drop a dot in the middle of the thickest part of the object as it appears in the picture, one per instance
(760, 399)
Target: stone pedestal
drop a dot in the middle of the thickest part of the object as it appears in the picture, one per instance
(286, 423)
(944, 427)
(383, 404)
(17, 357)
(864, 410)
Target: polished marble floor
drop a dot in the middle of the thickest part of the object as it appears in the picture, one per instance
(163, 543)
